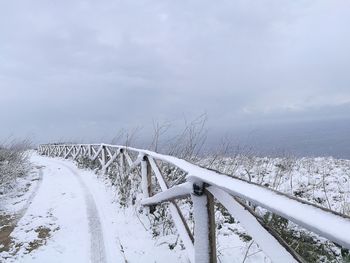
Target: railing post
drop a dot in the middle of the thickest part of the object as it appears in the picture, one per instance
(204, 225)
(146, 180)
(83, 150)
(60, 150)
(89, 151)
(77, 151)
(74, 152)
(103, 159)
(66, 151)
(122, 162)
(146, 177)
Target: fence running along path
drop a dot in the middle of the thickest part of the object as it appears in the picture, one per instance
(204, 186)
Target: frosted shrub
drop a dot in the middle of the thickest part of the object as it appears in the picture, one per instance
(86, 163)
(126, 184)
(13, 164)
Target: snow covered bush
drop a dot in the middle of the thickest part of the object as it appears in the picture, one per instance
(13, 164)
(127, 185)
(322, 181)
(85, 162)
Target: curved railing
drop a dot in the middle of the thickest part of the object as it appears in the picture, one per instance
(203, 186)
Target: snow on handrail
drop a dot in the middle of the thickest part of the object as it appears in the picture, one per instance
(322, 221)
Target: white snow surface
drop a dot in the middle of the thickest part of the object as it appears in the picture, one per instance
(18, 200)
(328, 225)
(85, 224)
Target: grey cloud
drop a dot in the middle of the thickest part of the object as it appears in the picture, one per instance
(69, 65)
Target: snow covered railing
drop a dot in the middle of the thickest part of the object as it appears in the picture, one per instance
(203, 186)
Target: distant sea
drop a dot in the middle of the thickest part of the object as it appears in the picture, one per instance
(312, 138)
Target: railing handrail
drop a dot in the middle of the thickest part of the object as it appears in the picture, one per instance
(322, 221)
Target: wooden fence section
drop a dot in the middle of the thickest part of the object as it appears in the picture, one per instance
(204, 186)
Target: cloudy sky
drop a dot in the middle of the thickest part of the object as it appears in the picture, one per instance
(85, 69)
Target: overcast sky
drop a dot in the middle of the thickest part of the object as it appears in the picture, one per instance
(85, 69)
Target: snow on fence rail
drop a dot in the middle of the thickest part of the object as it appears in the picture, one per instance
(203, 186)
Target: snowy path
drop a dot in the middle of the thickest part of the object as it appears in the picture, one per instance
(65, 219)
(75, 217)
(95, 229)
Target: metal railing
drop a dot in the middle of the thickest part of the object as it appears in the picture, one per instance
(204, 186)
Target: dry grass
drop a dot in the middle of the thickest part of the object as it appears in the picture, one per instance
(13, 163)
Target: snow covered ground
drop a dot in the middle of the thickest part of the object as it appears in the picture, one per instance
(67, 214)
(73, 217)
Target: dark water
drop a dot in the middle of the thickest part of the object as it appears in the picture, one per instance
(313, 138)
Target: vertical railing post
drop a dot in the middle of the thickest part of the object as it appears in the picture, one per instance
(48, 150)
(204, 225)
(103, 159)
(64, 151)
(86, 150)
(60, 150)
(74, 152)
(212, 226)
(146, 180)
(89, 151)
(80, 152)
(145, 177)
(122, 162)
(77, 151)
